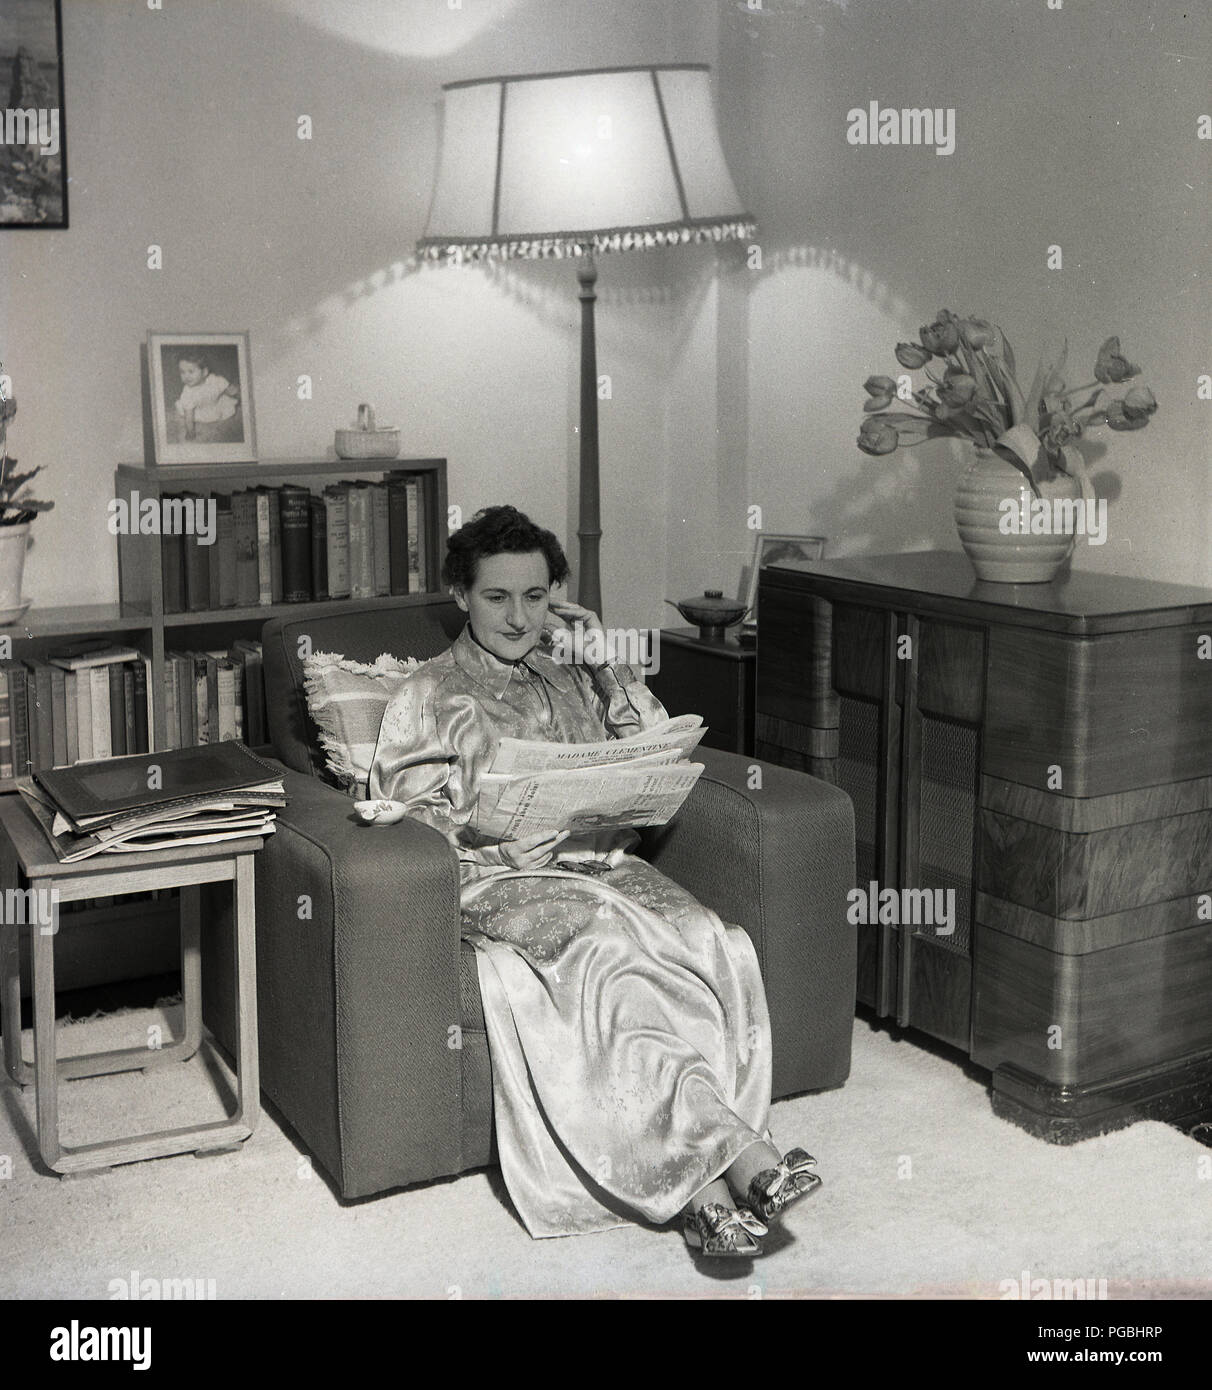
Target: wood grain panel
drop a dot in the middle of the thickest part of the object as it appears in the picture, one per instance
(1119, 1010)
(1083, 876)
(1115, 713)
(793, 659)
(1076, 938)
(859, 650)
(951, 671)
(1095, 812)
(940, 992)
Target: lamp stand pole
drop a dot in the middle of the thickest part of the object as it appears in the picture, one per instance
(589, 527)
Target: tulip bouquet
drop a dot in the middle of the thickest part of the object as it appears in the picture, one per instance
(978, 397)
(13, 509)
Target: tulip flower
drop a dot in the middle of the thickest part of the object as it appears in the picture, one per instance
(977, 333)
(911, 355)
(1139, 403)
(1112, 365)
(957, 388)
(877, 437)
(941, 336)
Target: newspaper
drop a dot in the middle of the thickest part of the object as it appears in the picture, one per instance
(534, 787)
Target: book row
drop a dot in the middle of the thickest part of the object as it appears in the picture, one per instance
(287, 544)
(56, 712)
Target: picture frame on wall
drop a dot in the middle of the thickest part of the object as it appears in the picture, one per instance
(768, 549)
(33, 134)
(201, 398)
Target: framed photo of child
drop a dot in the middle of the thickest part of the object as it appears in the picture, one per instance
(201, 398)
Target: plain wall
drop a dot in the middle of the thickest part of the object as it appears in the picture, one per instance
(731, 387)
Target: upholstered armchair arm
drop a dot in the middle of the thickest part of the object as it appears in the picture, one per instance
(778, 860)
(358, 989)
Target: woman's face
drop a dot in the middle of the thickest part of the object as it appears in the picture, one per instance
(507, 603)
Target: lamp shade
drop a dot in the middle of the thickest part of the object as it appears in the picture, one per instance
(564, 163)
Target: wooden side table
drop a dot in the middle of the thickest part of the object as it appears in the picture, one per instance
(33, 883)
(714, 679)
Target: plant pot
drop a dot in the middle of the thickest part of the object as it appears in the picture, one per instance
(13, 542)
(992, 533)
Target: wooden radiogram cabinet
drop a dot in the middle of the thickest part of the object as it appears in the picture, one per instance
(1044, 752)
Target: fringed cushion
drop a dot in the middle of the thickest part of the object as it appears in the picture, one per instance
(347, 700)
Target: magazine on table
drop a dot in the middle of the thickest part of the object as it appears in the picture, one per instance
(533, 787)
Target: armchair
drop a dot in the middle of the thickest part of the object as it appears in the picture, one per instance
(372, 1033)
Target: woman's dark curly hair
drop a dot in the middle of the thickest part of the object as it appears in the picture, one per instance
(499, 531)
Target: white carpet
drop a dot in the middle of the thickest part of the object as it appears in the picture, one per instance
(925, 1192)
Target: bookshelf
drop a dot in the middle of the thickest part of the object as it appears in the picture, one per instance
(139, 618)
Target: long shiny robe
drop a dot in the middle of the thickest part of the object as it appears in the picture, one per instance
(627, 1024)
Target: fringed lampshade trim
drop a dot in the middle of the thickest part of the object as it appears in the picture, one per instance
(561, 245)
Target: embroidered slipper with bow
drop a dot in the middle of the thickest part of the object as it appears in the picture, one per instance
(775, 1188)
(718, 1230)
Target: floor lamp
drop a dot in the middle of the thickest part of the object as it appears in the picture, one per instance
(570, 164)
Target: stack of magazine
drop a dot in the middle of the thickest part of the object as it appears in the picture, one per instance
(186, 796)
(584, 787)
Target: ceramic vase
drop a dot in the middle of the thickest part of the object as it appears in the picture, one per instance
(996, 511)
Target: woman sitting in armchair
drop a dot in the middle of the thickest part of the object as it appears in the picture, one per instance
(627, 1024)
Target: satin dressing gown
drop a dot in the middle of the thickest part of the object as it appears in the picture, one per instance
(627, 1024)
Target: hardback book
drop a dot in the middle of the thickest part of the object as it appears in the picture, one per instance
(425, 561)
(71, 722)
(397, 544)
(237, 680)
(361, 542)
(336, 504)
(98, 679)
(80, 655)
(128, 708)
(84, 714)
(197, 566)
(263, 500)
(172, 560)
(140, 691)
(249, 653)
(225, 680)
(148, 707)
(117, 709)
(59, 724)
(275, 545)
(416, 581)
(183, 668)
(6, 731)
(18, 714)
(244, 527)
(31, 717)
(172, 719)
(223, 553)
(294, 509)
(41, 684)
(380, 535)
(201, 698)
(319, 546)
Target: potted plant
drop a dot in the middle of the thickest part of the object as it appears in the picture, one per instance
(1025, 443)
(17, 510)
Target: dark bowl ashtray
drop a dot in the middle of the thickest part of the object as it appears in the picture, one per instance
(711, 613)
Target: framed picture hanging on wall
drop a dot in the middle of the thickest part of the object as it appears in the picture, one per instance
(33, 137)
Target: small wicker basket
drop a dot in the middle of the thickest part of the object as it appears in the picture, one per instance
(367, 442)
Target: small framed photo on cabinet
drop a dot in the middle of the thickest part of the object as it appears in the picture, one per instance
(769, 549)
(201, 398)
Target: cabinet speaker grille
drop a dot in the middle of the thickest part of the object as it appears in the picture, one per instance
(947, 823)
(858, 776)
